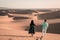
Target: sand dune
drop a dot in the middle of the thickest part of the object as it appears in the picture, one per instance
(52, 15)
(18, 29)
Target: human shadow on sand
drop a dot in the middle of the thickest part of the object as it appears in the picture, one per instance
(53, 28)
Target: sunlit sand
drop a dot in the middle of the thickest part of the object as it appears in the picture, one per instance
(14, 30)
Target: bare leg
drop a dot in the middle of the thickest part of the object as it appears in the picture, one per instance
(43, 34)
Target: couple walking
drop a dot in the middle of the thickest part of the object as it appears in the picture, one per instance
(44, 28)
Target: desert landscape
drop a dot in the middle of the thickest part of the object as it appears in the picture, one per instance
(14, 26)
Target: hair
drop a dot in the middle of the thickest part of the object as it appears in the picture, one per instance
(32, 22)
(45, 20)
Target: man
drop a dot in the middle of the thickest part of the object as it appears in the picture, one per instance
(44, 29)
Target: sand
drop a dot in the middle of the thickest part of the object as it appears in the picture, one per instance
(16, 29)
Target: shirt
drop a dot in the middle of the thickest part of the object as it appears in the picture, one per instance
(45, 26)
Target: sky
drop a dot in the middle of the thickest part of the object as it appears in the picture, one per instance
(30, 3)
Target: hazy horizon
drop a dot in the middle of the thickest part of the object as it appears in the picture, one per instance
(27, 4)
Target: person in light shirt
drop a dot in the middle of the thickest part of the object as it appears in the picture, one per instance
(44, 29)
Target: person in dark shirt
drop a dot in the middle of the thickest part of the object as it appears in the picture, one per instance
(32, 29)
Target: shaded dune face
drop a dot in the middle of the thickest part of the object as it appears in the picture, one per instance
(52, 15)
(54, 26)
(17, 18)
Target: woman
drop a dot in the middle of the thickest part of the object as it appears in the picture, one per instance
(31, 29)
